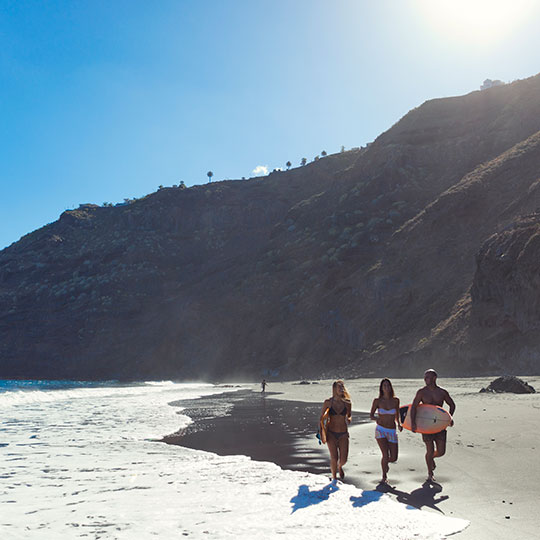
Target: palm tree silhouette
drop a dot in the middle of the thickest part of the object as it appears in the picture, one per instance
(288, 164)
(209, 174)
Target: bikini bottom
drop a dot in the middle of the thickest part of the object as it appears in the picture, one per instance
(338, 434)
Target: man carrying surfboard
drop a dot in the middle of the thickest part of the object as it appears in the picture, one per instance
(431, 394)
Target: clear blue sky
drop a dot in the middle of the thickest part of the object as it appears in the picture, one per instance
(104, 100)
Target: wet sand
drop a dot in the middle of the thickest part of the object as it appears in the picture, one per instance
(255, 425)
(489, 475)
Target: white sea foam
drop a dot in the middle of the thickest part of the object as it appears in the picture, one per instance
(29, 396)
(83, 465)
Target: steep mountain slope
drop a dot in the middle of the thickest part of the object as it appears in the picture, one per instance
(441, 271)
(362, 260)
(494, 327)
(91, 294)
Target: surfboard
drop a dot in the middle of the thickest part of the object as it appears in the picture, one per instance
(429, 418)
(323, 425)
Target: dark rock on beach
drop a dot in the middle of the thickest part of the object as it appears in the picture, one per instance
(509, 384)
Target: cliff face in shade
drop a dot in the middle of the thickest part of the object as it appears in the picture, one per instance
(460, 225)
(495, 328)
(378, 260)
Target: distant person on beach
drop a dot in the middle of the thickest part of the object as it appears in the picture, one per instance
(339, 408)
(431, 394)
(263, 385)
(385, 433)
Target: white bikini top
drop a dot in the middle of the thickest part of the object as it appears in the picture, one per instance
(387, 411)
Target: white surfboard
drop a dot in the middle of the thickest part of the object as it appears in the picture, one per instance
(429, 418)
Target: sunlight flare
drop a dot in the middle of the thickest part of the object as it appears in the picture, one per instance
(475, 21)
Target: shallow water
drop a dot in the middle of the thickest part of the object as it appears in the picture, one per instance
(81, 461)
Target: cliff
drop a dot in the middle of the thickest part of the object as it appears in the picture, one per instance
(363, 262)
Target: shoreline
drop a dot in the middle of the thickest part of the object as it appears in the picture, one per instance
(256, 425)
(488, 475)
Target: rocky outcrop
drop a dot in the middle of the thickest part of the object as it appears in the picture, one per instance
(509, 384)
(506, 286)
(495, 325)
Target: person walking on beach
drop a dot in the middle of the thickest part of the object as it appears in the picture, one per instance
(385, 433)
(432, 394)
(263, 385)
(339, 408)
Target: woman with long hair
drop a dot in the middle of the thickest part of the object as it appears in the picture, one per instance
(339, 409)
(385, 432)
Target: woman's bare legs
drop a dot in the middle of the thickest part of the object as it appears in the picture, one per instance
(392, 452)
(389, 455)
(333, 449)
(383, 445)
(343, 444)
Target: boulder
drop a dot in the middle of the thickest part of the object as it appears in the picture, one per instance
(509, 384)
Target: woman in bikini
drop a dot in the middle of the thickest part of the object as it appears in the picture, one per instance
(339, 408)
(385, 432)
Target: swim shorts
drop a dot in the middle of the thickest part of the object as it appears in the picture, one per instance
(386, 433)
(435, 437)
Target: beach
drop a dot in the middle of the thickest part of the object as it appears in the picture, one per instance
(89, 461)
(489, 475)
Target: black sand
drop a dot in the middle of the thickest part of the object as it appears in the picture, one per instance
(257, 426)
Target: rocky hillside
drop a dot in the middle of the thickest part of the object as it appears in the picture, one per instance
(381, 260)
(495, 325)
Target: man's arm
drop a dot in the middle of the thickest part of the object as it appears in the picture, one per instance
(451, 404)
(415, 403)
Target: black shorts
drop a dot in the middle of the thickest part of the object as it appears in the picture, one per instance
(435, 437)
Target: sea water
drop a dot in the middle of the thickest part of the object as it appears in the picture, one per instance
(82, 460)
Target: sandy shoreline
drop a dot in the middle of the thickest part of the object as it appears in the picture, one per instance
(279, 431)
(488, 476)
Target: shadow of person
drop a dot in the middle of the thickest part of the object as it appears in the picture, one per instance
(366, 498)
(306, 498)
(423, 496)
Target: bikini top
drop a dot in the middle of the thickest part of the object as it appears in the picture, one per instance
(387, 411)
(343, 412)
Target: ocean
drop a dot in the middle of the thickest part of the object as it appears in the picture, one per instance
(83, 460)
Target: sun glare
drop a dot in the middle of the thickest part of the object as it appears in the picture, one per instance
(475, 21)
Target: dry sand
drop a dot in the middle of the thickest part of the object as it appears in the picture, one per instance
(490, 474)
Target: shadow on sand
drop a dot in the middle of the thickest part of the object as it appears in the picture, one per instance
(423, 496)
(366, 498)
(306, 498)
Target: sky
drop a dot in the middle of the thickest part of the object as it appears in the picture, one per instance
(106, 100)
